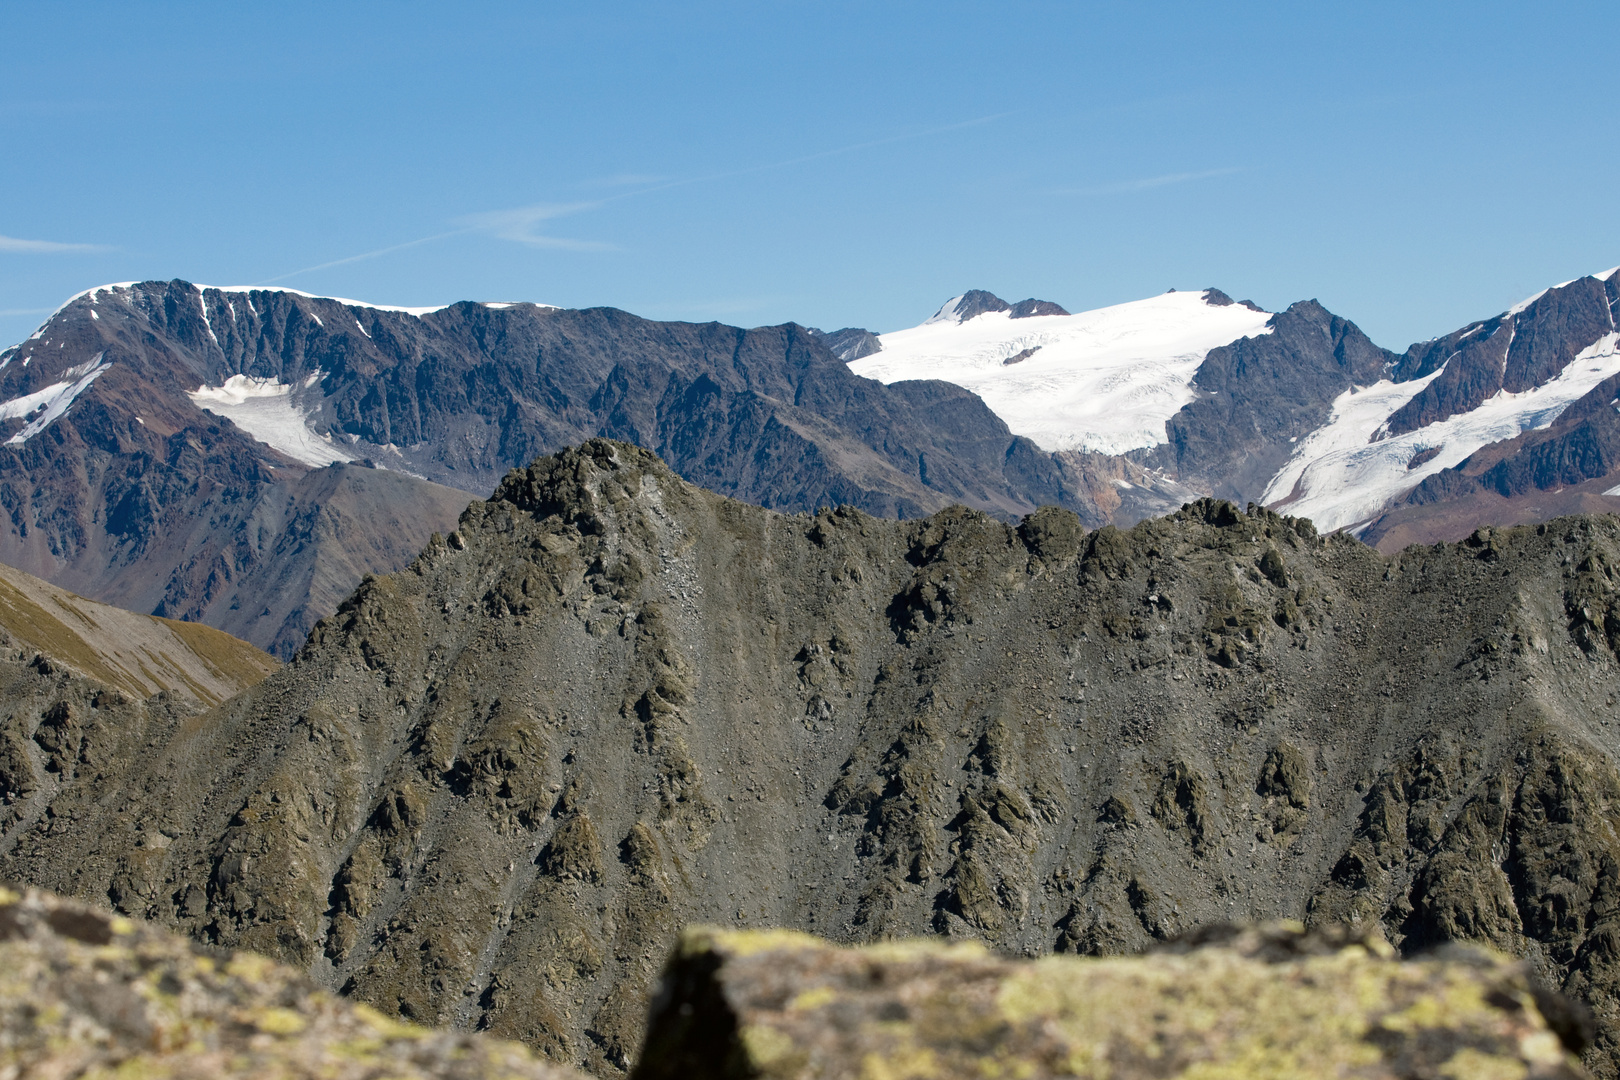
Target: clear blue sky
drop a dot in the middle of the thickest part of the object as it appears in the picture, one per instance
(1413, 165)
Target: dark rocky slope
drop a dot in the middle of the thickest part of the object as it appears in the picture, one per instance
(491, 787)
(1258, 395)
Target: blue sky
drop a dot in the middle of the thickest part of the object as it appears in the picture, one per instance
(1413, 165)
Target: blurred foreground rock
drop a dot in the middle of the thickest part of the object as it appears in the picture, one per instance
(1272, 1001)
(86, 994)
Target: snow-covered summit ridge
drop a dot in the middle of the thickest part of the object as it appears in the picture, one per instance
(113, 289)
(1524, 305)
(1104, 380)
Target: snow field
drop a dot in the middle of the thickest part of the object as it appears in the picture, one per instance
(1103, 380)
(264, 408)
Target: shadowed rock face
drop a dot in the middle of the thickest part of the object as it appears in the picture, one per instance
(86, 993)
(1265, 1001)
(1259, 394)
(850, 343)
(1560, 468)
(493, 786)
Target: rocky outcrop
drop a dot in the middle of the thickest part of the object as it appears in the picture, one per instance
(1230, 1001)
(139, 655)
(850, 343)
(85, 993)
(492, 787)
(1258, 395)
(976, 302)
(1026, 309)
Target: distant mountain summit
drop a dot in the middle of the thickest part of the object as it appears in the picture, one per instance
(976, 302)
(1103, 381)
(1505, 420)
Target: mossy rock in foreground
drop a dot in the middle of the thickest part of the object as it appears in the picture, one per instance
(1271, 1001)
(90, 995)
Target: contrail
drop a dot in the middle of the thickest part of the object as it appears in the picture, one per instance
(366, 255)
(44, 247)
(513, 224)
(1149, 182)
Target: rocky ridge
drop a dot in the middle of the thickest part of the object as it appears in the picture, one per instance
(492, 787)
(118, 482)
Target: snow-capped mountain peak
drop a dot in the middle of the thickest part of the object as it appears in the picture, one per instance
(1103, 380)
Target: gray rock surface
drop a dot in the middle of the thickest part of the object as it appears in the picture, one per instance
(493, 786)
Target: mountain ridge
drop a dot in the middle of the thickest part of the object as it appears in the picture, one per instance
(490, 788)
(156, 504)
(191, 451)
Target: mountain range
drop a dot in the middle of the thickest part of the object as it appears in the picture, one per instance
(243, 457)
(1507, 419)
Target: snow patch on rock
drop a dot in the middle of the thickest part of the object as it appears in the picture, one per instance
(45, 406)
(264, 408)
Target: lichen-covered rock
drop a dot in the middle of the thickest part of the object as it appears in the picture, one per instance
(88, 994)
(1268, 1001)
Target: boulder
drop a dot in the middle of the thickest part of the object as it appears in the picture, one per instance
(85, 993)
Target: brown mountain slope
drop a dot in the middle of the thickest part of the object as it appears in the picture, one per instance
(139, 654)
(491, 787)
